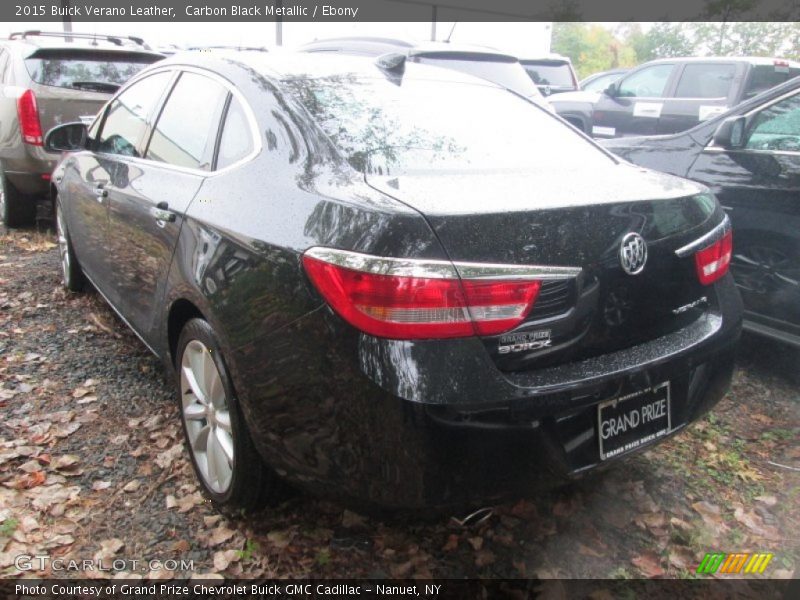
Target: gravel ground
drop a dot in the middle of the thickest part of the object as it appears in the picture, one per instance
(92, 466)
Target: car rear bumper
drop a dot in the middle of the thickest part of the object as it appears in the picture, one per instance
(29, 169)
(434, 424)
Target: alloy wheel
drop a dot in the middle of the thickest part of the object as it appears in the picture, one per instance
(764, 269)
(206, 414)
(63, 245)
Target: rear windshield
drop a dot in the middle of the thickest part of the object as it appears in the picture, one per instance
(85, 70)
(419, 126)
(508, 74)
(556, 75)
(764, 77)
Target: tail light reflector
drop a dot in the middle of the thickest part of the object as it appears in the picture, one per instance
(420, 299)
(28, 113)
(712, 262)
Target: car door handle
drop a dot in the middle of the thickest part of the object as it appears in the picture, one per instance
(100, 192)
(161, 212)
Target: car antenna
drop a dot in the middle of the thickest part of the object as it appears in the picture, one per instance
(449, 35)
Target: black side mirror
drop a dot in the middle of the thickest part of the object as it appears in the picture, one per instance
(730, 133)
(611, 90)
(66, 138)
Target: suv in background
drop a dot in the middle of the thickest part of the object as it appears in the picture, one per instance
(48, 79)
(486, 63)
(672, 94)
(552, 74)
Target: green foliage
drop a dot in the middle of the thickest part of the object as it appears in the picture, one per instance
(8, 527)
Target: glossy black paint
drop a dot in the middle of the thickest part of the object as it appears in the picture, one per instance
(760, 191)
(391, 422)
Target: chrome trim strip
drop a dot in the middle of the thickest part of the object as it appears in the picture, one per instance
(438, 269)
(706, 239)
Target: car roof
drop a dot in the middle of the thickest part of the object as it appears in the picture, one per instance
(753, 60)
(546, 58)
(282, 65)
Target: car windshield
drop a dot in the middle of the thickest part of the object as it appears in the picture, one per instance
(86, 70)
(418, 126)
(600, 83)
(557, 74)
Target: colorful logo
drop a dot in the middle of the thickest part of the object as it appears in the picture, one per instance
(738, 562)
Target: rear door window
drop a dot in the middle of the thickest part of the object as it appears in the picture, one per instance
(236, 141)
(650, 82)
(186, 131)
(556, 75)
(88, 70)
(711, 80)
(127, 116)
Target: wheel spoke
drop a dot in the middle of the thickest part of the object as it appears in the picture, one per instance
(212, 459)
(224, 420)
(225, 442)
(194, 386)
(195, 412)
(200, 442)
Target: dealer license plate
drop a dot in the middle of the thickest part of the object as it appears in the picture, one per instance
(632, 421)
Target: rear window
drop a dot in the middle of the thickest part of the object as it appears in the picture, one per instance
(508, 74)
(553, 74)
(85, 70)
(425, 126)
(764, 77)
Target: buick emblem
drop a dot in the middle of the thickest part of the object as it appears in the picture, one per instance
(633, 253)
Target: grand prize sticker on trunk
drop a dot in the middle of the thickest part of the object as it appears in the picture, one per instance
(631, 421)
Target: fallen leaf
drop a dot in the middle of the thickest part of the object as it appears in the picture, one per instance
(279, 539)
(186, 503)
(171, 501)
(220, 535)
(164, 459)
(132, 485)
(476, 542)
(451, 544)
(99, 486)
(64, 461)
(108, 548)
(223, 558)
(768, 500)
(649, 564)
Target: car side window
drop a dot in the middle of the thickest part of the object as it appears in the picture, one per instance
(236, 141)
(186, 131)
(650, 82)
(708, 80)
(126, 117)
(3, 65)
(777, 127)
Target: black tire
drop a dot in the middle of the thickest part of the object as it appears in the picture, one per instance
(252, 484)
(71, 271)
(16, 209)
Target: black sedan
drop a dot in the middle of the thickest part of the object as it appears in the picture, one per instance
(750, 158)
(392, 283)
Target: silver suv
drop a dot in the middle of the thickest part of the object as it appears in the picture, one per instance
(47, 79)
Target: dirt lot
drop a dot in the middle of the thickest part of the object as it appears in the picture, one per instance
(92, 465)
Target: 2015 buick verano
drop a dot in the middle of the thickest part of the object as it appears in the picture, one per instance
(391, 282)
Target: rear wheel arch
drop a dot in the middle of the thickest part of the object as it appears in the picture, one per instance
(180, 312)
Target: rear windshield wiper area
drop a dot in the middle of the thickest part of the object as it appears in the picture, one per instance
(95, 86)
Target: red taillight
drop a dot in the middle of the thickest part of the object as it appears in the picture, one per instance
(417, 300)
(712, 262)
(28, 114)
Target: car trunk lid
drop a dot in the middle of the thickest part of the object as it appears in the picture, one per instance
(531, 218)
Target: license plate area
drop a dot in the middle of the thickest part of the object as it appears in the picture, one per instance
(632, 421)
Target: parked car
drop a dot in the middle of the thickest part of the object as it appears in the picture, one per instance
(381, 297)
(552, 74)
(598, 82)
(671, 94)
(486, 63)
(750, 158)
(47, 79)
